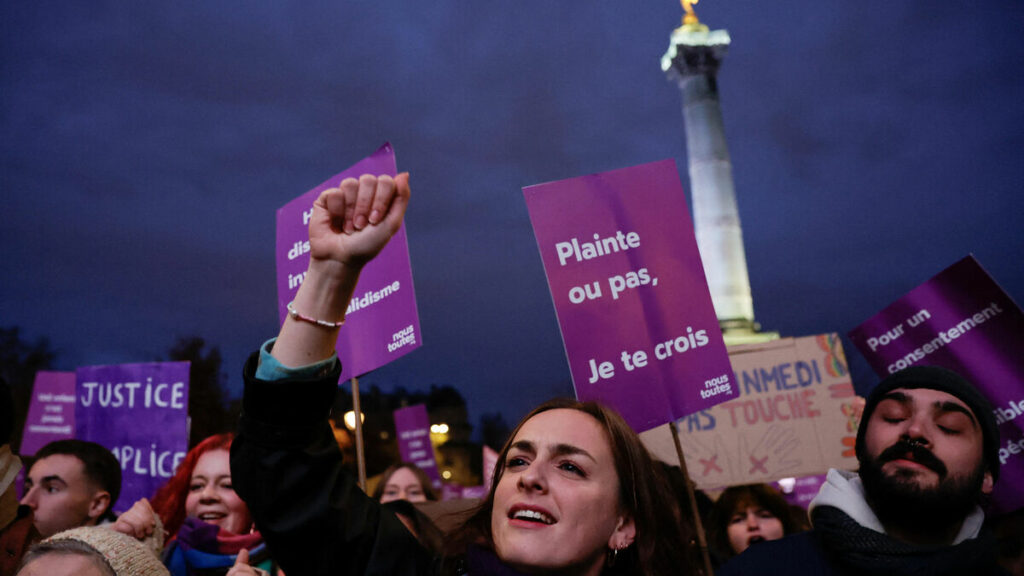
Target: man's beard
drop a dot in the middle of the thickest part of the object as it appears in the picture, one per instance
(899, 501)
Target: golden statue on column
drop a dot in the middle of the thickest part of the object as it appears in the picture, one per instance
(690, 18)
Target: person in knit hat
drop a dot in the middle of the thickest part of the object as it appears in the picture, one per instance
(94, 551)
(928, 452)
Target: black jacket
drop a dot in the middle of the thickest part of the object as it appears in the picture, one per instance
(840, 547)
(287, 467)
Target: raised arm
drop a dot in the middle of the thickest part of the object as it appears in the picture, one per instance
(350, 225)
(285, 461)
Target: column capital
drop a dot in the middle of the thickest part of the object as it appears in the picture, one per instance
(694, 51)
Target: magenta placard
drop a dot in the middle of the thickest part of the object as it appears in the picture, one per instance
(381, 323)
(51, 413)
(139, 412)
(637, 321)
(412, 428)
(961, 319)
(800, 491)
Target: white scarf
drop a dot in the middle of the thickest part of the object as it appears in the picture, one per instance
(844, 490)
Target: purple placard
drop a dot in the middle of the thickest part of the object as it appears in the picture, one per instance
(800, 491)
(962, 320)
(381, 323)
(412, 427)
(139, 412)
(628, 285)
(450, 491)
(51, 413)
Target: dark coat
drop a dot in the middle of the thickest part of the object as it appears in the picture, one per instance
(287, 467)
(808, 554)
(15, 540)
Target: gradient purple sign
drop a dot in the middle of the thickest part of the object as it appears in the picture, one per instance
(51, 413)
(628, 285)
(412, 427)
(962, 320)
(139, 412)
(381, 323)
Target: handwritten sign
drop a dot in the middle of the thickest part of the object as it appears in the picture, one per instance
(628, 285)
(381, 323)
(796, 415)
(412, 426)
(962, 320)
(51, 412)
(139, 412)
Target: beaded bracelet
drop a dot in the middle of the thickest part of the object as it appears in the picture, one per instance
(295, 314)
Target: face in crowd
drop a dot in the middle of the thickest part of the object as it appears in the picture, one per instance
(404, 484)
(745, 515)
(211, 497)
(61, 496)
(923, 460)
(557, 502)
(752, 523)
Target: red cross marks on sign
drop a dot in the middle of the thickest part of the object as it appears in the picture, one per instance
(758, 464)
(711, 464)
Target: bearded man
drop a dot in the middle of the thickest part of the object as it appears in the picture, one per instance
(928, 452)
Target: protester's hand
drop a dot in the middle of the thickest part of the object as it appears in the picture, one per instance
(138, 522)
(242, 568)
(352, 223)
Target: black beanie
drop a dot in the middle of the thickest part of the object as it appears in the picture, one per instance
(937, 378)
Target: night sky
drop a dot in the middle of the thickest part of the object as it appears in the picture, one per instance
(146, 147)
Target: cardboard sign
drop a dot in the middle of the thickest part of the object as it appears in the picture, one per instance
(796, 415)
(412, 427)
(51, 412)
(381, 323)
(628, 285)
(961, 320)
(139, 412)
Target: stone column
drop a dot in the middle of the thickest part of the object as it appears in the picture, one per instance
(692, 61)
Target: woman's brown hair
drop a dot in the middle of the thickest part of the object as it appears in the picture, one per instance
(421, 476)
(663, 543)
(737, 498)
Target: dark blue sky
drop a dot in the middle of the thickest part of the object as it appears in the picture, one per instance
(146, 146)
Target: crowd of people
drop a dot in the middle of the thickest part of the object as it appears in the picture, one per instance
(575, 491)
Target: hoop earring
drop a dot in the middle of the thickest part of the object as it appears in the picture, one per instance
(613, 557)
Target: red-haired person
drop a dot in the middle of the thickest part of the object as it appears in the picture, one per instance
(209, 528)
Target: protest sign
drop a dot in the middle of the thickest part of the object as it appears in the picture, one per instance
(139, 412)
(961, 320)
(381, 323)
(638, 326)
(412, 427)
(800, 491)
(51, 412)
(796, 415)
(450, 491)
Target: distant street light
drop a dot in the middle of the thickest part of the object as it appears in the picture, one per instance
(350, 419)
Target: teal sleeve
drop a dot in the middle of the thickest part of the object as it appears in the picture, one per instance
(271, 370)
